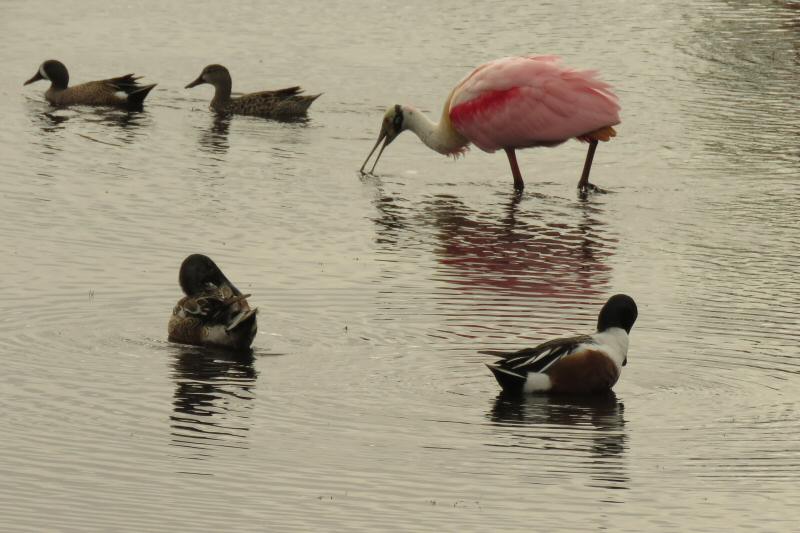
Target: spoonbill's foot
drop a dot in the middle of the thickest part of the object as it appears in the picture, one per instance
(587, 187)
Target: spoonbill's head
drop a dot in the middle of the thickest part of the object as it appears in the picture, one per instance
(212, 74)
(393, 125)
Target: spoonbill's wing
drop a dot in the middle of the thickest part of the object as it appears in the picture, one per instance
(517, 102)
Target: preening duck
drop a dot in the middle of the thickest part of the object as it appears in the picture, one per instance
(213, 312)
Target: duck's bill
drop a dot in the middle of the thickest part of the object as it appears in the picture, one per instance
(36, 77)
(386, 142)
(195, 83)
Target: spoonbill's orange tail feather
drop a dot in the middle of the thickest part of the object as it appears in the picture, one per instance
(603, 134)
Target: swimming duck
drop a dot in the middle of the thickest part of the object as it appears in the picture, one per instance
(583, 364)
(120, 92)
(213, 312)
(282, 104)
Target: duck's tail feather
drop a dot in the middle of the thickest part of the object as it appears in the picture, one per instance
(137, 96)
(287, 92)
(125, 83)
(508, 380)
(308, 100)
(498, 353)
(299, 104)
(242, 319)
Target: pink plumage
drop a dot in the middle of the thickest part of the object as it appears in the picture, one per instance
(519, 102)
(513, 103)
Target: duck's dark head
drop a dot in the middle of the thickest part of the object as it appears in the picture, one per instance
(394, 123)
(199, 273)
(53, 71)
(619, 312)
(212, 74)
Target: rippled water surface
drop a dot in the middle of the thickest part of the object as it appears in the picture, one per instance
(365, 405)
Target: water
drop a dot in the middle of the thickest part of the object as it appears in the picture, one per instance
(365, 405)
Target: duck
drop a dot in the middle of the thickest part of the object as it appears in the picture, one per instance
(285, 103)
(213, 311)
(582, 364)
(123, 91)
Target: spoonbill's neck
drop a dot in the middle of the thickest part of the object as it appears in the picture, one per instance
(441, 137)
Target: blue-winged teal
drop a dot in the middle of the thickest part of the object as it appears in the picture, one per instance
(580, 365)
(120, 92)
(281, 104)
(213, 312)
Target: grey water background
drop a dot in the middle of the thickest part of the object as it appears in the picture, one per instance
(365, 405)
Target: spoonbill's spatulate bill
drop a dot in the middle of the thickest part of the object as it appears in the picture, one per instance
(511, 103)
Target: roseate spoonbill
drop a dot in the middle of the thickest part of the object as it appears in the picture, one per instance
(580, 365)
(511, 103)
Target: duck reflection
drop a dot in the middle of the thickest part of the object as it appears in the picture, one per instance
(122, 119)
(50, 122)
(48, 138)
(590, 428)
(212, 399)
(214, 139)
(105, 126)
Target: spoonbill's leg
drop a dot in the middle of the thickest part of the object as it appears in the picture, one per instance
(584, 184)
(519, 185)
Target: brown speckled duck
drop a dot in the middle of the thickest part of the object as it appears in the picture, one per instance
(119, 92)
(213, 312)
(281, 104)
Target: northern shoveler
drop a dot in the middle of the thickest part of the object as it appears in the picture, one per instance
(213, 312)
(281, 104)
(582, 364)
(124, 91)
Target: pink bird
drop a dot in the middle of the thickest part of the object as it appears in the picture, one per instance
(511, 103)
